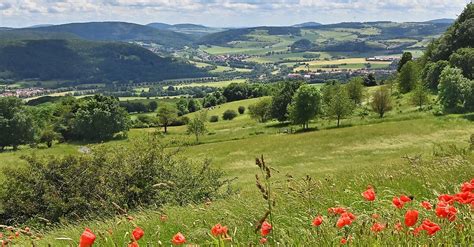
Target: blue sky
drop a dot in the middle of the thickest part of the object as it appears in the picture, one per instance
(223, 13)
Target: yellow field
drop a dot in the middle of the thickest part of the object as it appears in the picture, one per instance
(346, 61)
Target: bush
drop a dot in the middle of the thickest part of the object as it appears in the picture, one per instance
(214, 119)
(241, 109)
(180, 121)
(135, 175)
(229, 115)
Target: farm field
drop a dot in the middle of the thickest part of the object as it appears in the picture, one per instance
(349, 63)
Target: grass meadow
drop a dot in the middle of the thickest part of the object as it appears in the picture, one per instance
(311, 171)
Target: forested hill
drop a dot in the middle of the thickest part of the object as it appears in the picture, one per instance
(87, 61)
(104, 31)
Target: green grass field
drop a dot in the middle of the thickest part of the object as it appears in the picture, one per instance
(342, 162)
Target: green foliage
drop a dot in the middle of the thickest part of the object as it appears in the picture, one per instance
(306, 105)
(197, 125)
(241, 109)
(381, 101)
(408, 77)
(454, 90)
(340, 105)
(152, 106)
(261, 111)
(142, 174)
(229, 114)
(301, 45)
(236, 91)
(419, 96)
(214, 119)
(355, 88)
(370, 81)
(432, 72)
(193, 105)
(406, 57)
(48, 136)
(16, 123)
(464, 59)
(282, 99)
(99, 118)
(166, 115)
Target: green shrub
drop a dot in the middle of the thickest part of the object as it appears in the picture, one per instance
(214, 119)
(72, 187)
(229, 115)
(241, 109)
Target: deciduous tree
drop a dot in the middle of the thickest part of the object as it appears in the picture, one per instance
(381, 101)
(306, 105)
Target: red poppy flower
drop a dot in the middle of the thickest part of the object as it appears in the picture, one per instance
(343, 241)
(427, 205)
(263, 240)
(265, 229)
(446, 198)
(337, 210)
(178, 239)
(133, 244)
(464, 197)
(398, 226)
(137, 233)
(417, 230)
(397, 202)
(405, 198)
(430, 227)
(218, 229)
(377, 227)
(411, 217)
(87, 238)
(369, 194)
(375, 216)
(444, 210)
(468, 186)
(317, 221)
(345, 219)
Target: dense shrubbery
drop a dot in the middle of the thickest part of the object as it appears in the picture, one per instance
(229, 114)
(73, 187)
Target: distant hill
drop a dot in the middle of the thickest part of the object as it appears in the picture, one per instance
(41, 25)
(240, 34)
(186, 28)
(308, 24)
(443, 21)
(114, 31)
(87, 61)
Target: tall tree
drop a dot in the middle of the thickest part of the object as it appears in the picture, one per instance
(406, 57)
(464, 59)
(419, 96)
(408, 77)
(340, 105)
(432, 72)
(381, 101)
(197, 125)
(261, 110)
(370, 81)
(166, 115)
(282, 98)
(306, 105)
(451, 89)
(355, 89)
(16, 125)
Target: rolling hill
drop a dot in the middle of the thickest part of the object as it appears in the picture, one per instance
(106, 31)
(186, 28)
(87, 61)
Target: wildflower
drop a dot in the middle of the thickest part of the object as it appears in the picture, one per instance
(137, 233)
(178, 239)
(338, 210)
(398, 226)
(343, 241)
(133, 244)
(375, 216)
(417, 230)
(345, 219)
(317, 221)
(468, 186)
(411, 217)
(446, 198)
(369, 194)
(430, 227)
(27, 229)
(218, 229)
(444, 210)
(397, 202)
(405, 198)
(377, 227)
(464, 197)
(263, 240)
(427, 205)
(266, 228)
(87, 238)
(164, 217)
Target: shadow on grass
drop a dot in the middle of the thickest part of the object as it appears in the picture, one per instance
(341, 126)
(299, 131)
(469, 117)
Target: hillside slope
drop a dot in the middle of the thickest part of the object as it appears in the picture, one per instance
(87, 61)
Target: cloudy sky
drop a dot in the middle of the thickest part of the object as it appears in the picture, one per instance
(223, 13)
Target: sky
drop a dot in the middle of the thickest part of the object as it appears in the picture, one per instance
(224, 13)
